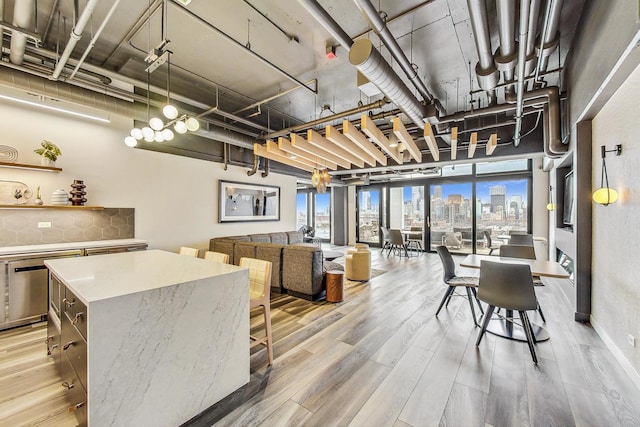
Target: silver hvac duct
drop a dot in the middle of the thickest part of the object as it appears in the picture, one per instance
(370, 63)
(553, 145)
(552, 37)
(505, 57)
(486, 71)
(522, 54)
(534, 11)
(381, 29)
(22, 14)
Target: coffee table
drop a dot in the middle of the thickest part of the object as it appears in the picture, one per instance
(331, 255)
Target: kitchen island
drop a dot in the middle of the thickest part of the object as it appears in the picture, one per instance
(152, 337)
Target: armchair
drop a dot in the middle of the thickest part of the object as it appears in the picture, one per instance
(358, 263)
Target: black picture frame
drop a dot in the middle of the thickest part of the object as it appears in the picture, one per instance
(239, 201)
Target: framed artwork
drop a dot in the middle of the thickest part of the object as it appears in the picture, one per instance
(239, 201)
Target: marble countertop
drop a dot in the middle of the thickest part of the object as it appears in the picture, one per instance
(109, 276)
(51, 247)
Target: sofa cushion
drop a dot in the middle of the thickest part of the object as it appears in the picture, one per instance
(295, 237)
(279, 238)
(263, 238)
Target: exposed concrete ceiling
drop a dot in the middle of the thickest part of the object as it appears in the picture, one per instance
(211, 69)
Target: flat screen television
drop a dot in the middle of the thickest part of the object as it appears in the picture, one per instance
(568, 201)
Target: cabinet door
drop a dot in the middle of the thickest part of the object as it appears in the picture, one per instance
(3, 290)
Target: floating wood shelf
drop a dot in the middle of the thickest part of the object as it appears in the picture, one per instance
(30, 167)
(86, 208)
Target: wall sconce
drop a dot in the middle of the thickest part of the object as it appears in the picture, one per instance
(551, 206)
(606, 195)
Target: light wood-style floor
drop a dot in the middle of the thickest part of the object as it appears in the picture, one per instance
(381, 358)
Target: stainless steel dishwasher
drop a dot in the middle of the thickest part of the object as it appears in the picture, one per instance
(26, 294)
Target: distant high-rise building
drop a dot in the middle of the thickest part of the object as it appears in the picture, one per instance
(498, 198)
(437, 192)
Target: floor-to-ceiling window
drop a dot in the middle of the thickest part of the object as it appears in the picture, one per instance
(369, 216)
(452, 216)
(302, 210)
(322, 215)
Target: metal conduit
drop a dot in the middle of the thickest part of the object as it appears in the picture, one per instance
(76, 34)
(243, 47)
(327, 22)
(380, 28)
(377, 104)
(550, 41)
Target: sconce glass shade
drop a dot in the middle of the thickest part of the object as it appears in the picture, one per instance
(147, 133)
(192, 124)
(551, 206)
(136, 133)
(180, 127)
(156, 123)
(167, 134)
(131, 141)
(315, 178)
(170, 112)
(605, 196)
(158, 137)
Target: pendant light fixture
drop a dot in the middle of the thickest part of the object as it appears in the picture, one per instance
(158, 130)
(551, 206)
(606, 195)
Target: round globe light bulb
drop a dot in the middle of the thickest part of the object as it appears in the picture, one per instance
(147, 133)
(550, 206)
(170, 112)
(192, 124)
(158, 137)
(167, 134)
(136, 133)
(130, 141)
(156, 123)
(605, 196)
(149, 139)
(180, 127)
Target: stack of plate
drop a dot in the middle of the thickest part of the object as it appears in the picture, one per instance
(59, 198)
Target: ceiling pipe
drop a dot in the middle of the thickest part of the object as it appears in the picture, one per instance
(486, 72)
(370, 63)
(234, 42)
(52, 14)
(553, 145)
(327, 22)
(266, 168)
(92, 43)
(522, 55)
(505, 57)
(381, 29)
(550, 42)
(308, 125)
(256, 163)
(534, 12)
(364, 56)
(74, 37)
(22, 15)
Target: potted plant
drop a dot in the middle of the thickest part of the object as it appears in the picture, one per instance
(49, 153)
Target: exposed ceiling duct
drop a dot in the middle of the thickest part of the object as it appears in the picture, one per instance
(551, 35)
(381, 29)
(371, 64)
(22, 16)
(505, 57)
(486, 72)
(522, 56)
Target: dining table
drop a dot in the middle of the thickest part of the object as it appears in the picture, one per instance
(505, 326)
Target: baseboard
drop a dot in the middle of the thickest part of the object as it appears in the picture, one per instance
(633, 374)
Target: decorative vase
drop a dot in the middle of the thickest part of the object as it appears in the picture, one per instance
(59, 197)
(77, 193)
(38, 201)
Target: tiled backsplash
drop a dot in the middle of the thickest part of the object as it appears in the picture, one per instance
(20, 226)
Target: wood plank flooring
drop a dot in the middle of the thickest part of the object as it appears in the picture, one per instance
(381, 358)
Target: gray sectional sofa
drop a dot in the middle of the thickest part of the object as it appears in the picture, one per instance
(297, 267)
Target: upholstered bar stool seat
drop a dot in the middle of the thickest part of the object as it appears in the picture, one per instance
(357, 263)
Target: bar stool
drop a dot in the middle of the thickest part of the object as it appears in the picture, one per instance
(260, 296)
(184, 250)
(217, 257)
